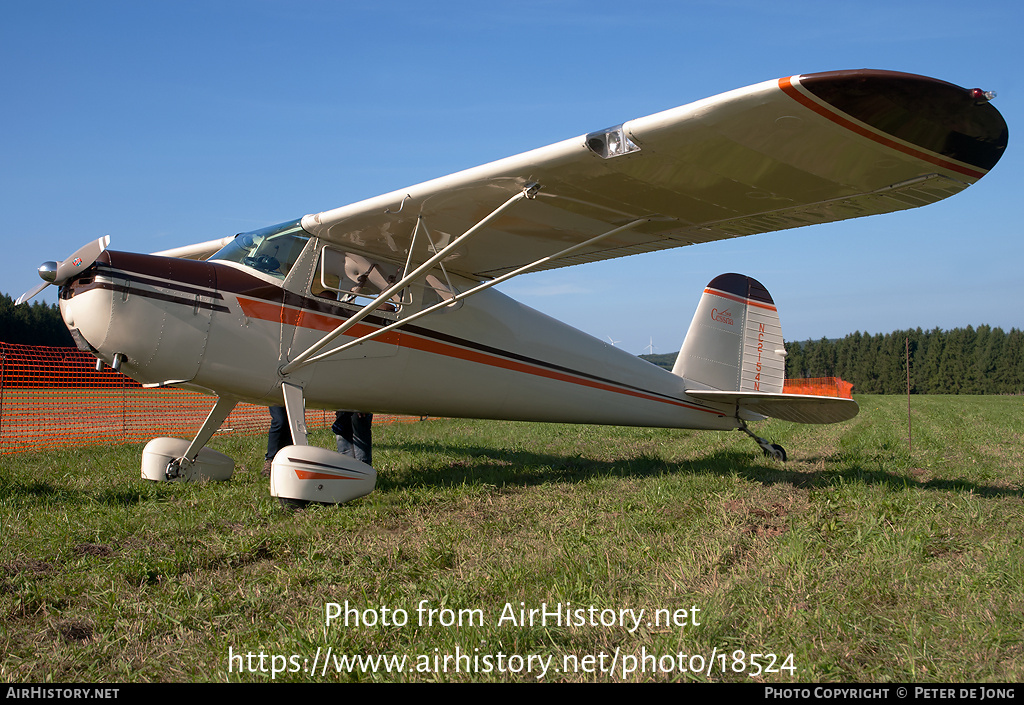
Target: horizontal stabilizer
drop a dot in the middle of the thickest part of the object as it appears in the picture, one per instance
(799, 408)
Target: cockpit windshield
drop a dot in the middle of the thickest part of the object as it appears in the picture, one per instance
(270, 250)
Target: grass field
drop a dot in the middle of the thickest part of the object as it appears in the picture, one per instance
(857, 560)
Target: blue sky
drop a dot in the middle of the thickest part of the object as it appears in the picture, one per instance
(167, 123)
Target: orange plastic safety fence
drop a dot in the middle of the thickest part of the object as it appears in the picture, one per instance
(54, 397)
(820, 387)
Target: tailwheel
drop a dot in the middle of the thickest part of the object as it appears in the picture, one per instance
(771, 450)
(775, 452)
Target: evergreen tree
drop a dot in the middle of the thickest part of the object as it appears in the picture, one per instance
(32, 324)
(985, 360)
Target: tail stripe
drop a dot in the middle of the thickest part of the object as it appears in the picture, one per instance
(740, 299)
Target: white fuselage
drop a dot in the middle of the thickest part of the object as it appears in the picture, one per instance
(227, 330)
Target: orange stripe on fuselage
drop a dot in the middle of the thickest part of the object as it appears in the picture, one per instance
(786, 84)
(267, 311)
(301, 318)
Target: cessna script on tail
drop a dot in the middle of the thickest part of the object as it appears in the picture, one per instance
(386, 305)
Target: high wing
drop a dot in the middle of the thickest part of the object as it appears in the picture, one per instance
(796, 151)
(200, 250)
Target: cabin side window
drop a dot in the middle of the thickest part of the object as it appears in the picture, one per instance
(436, 289)
(352, 278)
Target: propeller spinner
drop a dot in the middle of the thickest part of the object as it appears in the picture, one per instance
(60, 272)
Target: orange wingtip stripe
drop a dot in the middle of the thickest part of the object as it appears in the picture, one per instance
(786, 84)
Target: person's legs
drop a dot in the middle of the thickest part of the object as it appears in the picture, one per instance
(342, 428)
(352, 430)
(362, 437)
(279, 436)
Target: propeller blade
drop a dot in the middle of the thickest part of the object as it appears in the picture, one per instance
(60, 272)
(30, 293)
(81, 260)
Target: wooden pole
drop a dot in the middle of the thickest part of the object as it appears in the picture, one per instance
(910, 435)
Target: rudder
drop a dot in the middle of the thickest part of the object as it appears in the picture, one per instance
(734, 342)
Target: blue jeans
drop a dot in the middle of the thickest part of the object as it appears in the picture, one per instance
(353, 432)
(280, 434)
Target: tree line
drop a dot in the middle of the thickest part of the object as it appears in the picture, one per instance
(982, 360)
(32, 324)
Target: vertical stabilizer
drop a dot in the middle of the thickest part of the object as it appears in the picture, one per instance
(735, 340)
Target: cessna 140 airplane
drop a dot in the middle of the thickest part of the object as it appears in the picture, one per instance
(386, 305)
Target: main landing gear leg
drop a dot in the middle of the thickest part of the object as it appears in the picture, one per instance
(771, 450)
(301, 473)
(196, 462)
(295, 405)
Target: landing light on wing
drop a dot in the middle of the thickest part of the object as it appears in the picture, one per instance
(612, 142)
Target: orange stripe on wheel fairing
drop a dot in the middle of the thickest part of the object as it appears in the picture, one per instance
(310, 475)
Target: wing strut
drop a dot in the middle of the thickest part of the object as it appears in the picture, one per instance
(306, 360)
(433, 247)
(529, 191)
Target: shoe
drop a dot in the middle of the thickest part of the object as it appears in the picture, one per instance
(267, 466)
